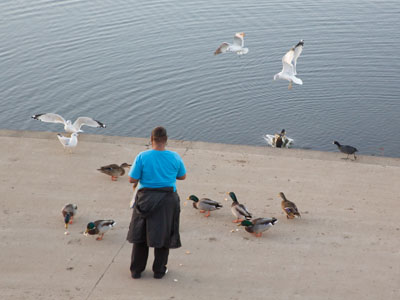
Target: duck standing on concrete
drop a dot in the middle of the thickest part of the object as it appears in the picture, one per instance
(99, 227)
(346, 149)
(289, 207)
(204, 204)
(238, 210)
(68, 212)
(114, 170)
(259, 225)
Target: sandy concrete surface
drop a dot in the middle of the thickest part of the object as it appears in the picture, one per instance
(345, 246)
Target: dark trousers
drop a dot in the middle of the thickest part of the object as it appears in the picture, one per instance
(140, 253)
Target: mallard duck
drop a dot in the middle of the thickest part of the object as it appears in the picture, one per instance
(238, 210)
(279, 140)
(289, 207)
(114, 170)
(204, 204)
(259, 225)
(68, 212)
(99, 227)
(346, 149)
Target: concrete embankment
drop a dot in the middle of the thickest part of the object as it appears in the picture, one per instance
(345, 246)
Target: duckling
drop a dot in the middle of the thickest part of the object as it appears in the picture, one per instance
(289, 207)
(204, 204)
(68, 212)
(238, 210)
(259, 225)
(114, 170)
(346, 149)
(99, 227)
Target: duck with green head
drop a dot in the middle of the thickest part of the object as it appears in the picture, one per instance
(238, 210)
(68, 212)
(289, 207)
(99, 227)
(204, 204)
(259, 225)
(114, 170)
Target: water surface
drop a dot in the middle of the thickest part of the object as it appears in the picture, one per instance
(137, 64)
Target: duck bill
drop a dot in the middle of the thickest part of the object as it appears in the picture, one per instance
(66, 225)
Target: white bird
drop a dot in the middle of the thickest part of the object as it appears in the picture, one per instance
(68, 143)
(68, 126)
(288, 68)
(237, 46)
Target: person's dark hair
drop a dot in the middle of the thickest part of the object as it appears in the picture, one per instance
(159, 135)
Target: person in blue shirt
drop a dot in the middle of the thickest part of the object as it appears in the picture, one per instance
(155, 217)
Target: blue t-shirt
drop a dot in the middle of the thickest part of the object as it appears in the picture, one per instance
(156, 169)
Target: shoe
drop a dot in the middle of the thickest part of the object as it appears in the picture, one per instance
(136, 275)
(160, 275)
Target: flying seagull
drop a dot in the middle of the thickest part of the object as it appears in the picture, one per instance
(68, 126)
(289, 62)
(237, 46)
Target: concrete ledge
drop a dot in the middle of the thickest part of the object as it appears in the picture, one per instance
(260, 150)
(345, 246)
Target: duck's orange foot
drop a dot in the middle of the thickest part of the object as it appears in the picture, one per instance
(258, 234)
(99, 238)
(202, 211)
(238, 221)
(207, 214)
(113, 178)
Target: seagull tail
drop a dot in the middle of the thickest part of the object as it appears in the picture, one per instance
(297, 80)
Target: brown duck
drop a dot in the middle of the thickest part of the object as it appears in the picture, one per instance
(289, 207)
(114, 170)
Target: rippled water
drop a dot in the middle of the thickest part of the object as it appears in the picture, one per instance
(137, 64)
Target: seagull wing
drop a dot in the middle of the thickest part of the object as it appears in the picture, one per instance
(288, 57)
(49, 118)
(287, 66)
(63, 140)
(297, 51)
(87, 121)
(238, 40)
(222, 48)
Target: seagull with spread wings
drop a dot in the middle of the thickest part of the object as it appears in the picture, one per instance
(68, 125)
(237, 46)
(289, 62)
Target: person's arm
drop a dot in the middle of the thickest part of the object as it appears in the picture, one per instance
(134, 181)
(135, 172)
(182, 170)
(181, 177)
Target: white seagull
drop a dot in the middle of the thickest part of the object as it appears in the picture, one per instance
(237, 46)
(68, 143)
(68, 126)
(288, 68)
